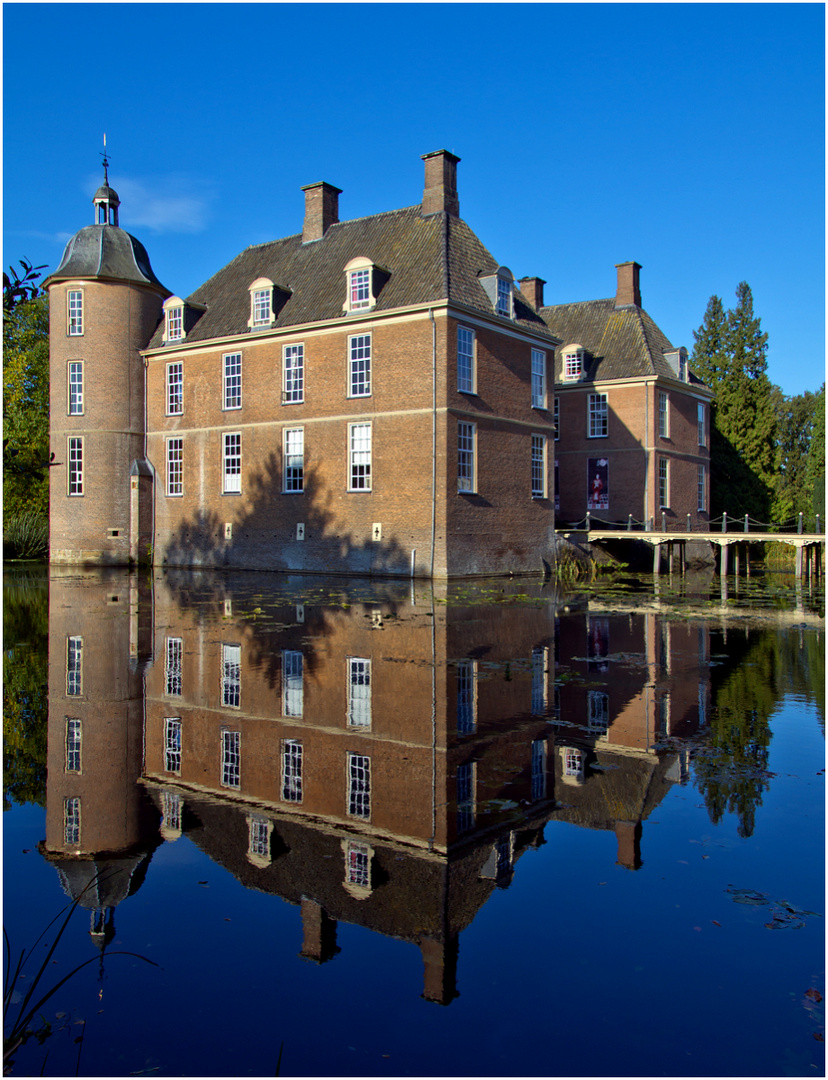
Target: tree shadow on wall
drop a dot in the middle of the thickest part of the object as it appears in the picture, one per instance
(266, 529)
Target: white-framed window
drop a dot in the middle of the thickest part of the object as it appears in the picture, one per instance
(702, 489)
(173, 652)
(598, 711)
(74, 732)
(76, 465)
(538, 466)
(172, 744)
(466, 696)
(293, 374)
(466, 803)
(232, 369)
(359, 289)
(291, 770)
(358, 864)
(701, 416)
(359, 457)
(231, 463)
(231, 759)
(175, 323)
(538, 379)
(465, 360)
(598, 416)
(538, 769)
(293, 683)
(231, 676)
(557, 418)
(175, 466)
(76, 387)
(359, 365)
(74, 666)
(261, 302)
(294, 458)
(663, 483)
(359, 692)
(504, 297)
(258, 837)
(663, 415)
(573, 762)
(540, 681)
(171, 811)
(573, 365)
(175, 389)
(74, 299)
(72, 821)
(682, 366)
(359, 785)
(466, 456)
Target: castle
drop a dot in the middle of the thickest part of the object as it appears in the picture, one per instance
(376, 396)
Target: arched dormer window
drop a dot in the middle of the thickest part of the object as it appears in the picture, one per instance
(573, 363)
(173, 319)
(500, 287)
(261, 303)
(364, 281)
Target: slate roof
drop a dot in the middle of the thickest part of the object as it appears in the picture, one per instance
(429, 259)
(621, 343)
(105, 251)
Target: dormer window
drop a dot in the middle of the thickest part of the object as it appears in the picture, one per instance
(573, 363)
(677, 359)
(174, 319)
(364, 281)
(499, 288)
(261, 303)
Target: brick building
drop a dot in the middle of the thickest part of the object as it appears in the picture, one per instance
(632, 421)
(370, 396)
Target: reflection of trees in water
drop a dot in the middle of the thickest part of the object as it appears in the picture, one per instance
(25, 687)
(762, 667)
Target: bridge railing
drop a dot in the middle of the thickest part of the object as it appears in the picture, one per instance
(723, 524)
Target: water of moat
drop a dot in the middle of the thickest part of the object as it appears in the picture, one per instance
(352, 828)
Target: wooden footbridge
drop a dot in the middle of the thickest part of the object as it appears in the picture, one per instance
(810, 547)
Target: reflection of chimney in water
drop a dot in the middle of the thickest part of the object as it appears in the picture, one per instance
(319, 943)
(628, 834)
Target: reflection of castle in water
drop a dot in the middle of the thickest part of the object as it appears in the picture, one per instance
(382, 761)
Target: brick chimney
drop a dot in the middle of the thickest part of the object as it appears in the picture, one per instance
(321, 210)
(628, 291)
(440, 191)
(532, 289)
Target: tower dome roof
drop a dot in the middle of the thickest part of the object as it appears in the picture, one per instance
(106, 252)
(106, 193)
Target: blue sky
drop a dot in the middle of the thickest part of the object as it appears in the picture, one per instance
(689, 137)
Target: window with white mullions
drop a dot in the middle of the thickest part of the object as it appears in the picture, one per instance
(175, 324)
(358, 863)
(359, 289)
(72, 822)
(232, 380)
(231, 459)
(663, 415)
(74, 666)
(466, 696)
(172, 666)
(171, 810)
(359, 785)
(466, 439)
(702, 424)
(504, 297)
(538, 379)
(231, 759)
(258, 837)
(75, 387)
(292, 770)
(261, 306)
(231, 676)
(75, 300)
(465, 360)
(701, 503)
(73, 744)
(76, 466)
(663, 483)
(466, 806)
(598, 416)
(557, 418)
(294, 458)
(538, 769)
(359, 464)
(293, 685)
(359, 692)
(175, 466)
(172, 744)
(175, 389)
(538, 466)
(359, 365)
(293, 357)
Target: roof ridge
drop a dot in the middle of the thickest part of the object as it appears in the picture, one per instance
(337, 224)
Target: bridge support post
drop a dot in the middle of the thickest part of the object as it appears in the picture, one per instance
(799, 561)
(736, 560)
(723, 560)
(656, 558)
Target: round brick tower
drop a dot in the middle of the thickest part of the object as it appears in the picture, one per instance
(104, 304)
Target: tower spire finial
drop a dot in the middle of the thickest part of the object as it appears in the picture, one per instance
(105, 163)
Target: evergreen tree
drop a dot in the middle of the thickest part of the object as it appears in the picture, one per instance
(801, 443)
(730, 355)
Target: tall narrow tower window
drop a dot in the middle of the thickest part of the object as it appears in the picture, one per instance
(76, 466)
(75, 312)
(76, 387)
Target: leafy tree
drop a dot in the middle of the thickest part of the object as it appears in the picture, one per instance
(801, 443)
(815, 464)
(730, 355)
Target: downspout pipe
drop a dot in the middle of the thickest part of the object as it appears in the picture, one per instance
(433, 440)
